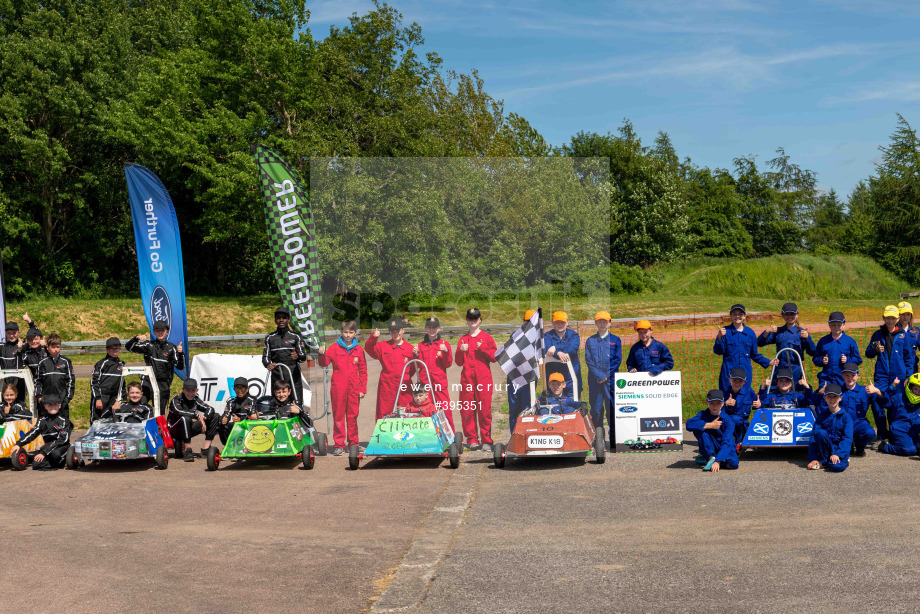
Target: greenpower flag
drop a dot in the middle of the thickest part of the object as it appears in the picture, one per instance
(292, 238)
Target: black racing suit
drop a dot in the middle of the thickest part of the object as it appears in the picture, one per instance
(55, 430)
(16, 411)
(132, 413)
(242, 408)
(105, 384)
(278, 348)
(55, 376)
(183, 422)
(32, 357)
(11, 358)
(282, 411)
(164, 357)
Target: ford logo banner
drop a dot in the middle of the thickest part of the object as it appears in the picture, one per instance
(160, 308)
(629, 409)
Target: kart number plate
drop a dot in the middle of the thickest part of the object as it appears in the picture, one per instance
(544, 442)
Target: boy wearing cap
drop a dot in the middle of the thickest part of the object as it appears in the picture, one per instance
(563, 343)
(912, 335)
(740, 399)
(55, 377)
(888, 346)
(835, 350)
(160, 354)
(648, 354)
(855, 401)
(349, 384)
(106, 381)
(34, 351)
(189, 416)
(903, 402)
(283, 353)
(785, 394)
(832, 437)
(241, 407)
(789, 336)
(603, 355)
(393, 355)
(436, 353)
(55, 430)
(519, 399)
(11, 356)
(558, 400)
(475, 353)
(737, 345)
(713, 430)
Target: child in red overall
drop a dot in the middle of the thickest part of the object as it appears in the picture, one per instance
(393, 356)
(435, 352)
(421, 403)
(475, 352)
(349, 385)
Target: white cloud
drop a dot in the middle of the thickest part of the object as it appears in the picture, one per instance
(908, 91)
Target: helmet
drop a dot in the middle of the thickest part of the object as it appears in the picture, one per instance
(913, 380)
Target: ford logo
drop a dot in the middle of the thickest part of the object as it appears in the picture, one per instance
(160, 307)
(629, 409)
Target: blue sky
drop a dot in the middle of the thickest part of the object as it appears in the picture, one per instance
(822, 78)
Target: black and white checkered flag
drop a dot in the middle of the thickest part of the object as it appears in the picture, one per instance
(520, 357)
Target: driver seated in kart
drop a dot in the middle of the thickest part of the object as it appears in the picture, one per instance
(283, 404)
(134, 411)
(556, 400)
(241, 407)
(784, 394)
(421, 404)
(11, 410)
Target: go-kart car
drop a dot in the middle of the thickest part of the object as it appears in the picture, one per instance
(108, 440)
(556, 435)
(640, 444)
(270, 437)
(10, 432)
(404, 435)
(786, 426)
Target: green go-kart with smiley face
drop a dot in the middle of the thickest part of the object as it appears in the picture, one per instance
(269, 437)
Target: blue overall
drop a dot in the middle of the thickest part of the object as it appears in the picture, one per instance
(833, 435)
(889, 365)
(603, 358)
(737, 349)
(653, 359)
(856, 403)
(518, 401)
(570, 343)
(911, 343)
(715, 442)
(903, 423)
(788, 337)
(832, 372)
(741, 412)
(777, 399)
(563, 404)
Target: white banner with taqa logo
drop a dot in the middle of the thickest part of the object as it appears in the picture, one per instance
(215, 374)
(648, 414)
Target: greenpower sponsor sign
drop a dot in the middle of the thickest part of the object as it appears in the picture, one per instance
(292, 239)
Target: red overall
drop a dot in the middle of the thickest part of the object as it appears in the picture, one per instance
(438, 361)
(426, 409)
(349, 379)
(392, 359)
(476, 386)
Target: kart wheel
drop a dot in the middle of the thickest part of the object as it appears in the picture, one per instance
(308, 457)
(458, 439)
(320, 445)
(162, 458)
(353, 457)
(213, 459)
(20, 461)
(600, 448)
(498, 455)
(453, 455)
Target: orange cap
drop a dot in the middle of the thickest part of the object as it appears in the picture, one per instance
(602, 315)
(529, 314)
(560, 316)
(643, 324)
(556, 377)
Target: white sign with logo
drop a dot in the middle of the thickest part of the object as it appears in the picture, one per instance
(215, 374)
(648, 414)
(782, 427)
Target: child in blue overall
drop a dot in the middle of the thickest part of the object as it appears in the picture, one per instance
(888, 346)
(737, 345)
(603, 355)
(789, 336)
(784, 394)
(713, 429)
(906, 323)
(832, 437)
(903, 403)
(740, 399)
(835, 350)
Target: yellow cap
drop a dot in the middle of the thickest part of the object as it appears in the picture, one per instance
(529, 314)
(904, 307)
(643, 324)
(556, 377)
(602, 315)
(891, 312)
(560, 316)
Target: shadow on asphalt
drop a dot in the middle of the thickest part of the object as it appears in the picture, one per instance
(534, 463)
(120, 466)
(393, 462)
